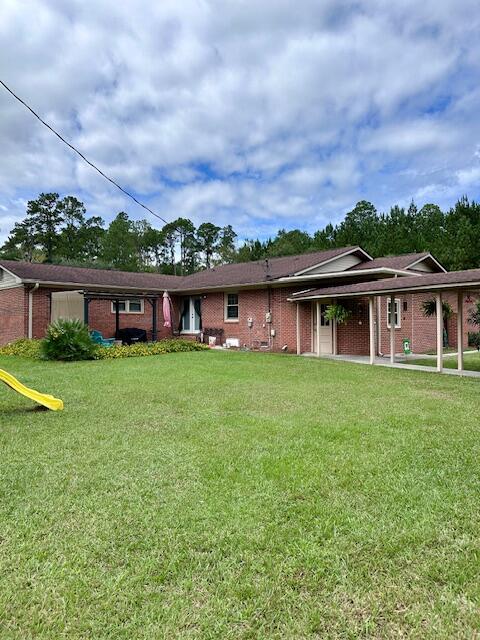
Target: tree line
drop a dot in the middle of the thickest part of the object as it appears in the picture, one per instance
(452, 236)
(58, 230)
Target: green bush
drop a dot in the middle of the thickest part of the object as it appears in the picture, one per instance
(148, 349)
(474, 339)
(68, 340)
(24, 347)
(474, 315)
(35, 348)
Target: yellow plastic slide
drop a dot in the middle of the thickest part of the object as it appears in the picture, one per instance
(42, 398)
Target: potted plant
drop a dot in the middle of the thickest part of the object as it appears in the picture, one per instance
(338, 313)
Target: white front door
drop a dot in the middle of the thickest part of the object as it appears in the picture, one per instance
(191, 315)
(323, 342)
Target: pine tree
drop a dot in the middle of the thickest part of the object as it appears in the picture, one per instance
(45, 215)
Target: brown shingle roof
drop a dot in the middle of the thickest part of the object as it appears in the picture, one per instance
(243, 273)
(83, 277)
(452, 279)
(230, 275)
(226, 275)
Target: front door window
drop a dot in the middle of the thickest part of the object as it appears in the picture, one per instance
(191, 318)
(324, 322)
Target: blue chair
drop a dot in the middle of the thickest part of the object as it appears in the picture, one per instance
(98, 338)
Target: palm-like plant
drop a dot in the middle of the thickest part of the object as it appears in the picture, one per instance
(430, 309)
(474, 315)
(68, 340)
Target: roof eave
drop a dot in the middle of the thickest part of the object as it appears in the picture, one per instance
(344, 274)
(100, 287)
(378, 292)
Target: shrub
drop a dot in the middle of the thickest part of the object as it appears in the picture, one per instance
(474, 316)
(474, 339)
(24, 347)
(68, 340)
(35, 348)
(429, 308)
(148, 349)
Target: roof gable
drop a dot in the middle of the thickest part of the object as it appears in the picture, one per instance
(404, 262)
(346, 260)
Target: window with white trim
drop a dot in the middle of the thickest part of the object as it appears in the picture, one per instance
(231, 307)
(129, 306)
(397, 316)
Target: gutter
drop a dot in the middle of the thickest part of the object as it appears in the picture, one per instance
(345, 274)
(30, 309)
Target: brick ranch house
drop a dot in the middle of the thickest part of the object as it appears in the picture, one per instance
(276, 304)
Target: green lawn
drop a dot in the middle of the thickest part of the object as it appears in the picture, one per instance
(471, 361)
(232, 495)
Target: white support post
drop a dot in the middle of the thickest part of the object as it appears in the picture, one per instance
(379, 324)
(298, 329)
(460, 345)
(371, 326)
(334, 337)
(318, 329)
(439, 312)
(392, 329)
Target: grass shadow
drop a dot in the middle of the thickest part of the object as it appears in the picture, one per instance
(18, 410)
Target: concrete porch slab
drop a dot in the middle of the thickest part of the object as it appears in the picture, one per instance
(385, 362)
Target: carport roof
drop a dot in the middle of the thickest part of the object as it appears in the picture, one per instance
(468, 279)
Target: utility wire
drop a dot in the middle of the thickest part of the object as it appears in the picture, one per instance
(104, 175)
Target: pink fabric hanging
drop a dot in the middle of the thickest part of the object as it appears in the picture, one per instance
(167, 313)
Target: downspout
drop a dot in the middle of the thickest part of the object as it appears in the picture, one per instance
(30, 310)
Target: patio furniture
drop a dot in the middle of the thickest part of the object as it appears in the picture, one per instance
(131, 335)
(98, 338)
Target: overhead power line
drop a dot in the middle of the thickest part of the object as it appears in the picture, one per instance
(79, 153)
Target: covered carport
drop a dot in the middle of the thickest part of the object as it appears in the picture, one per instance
(463, 283)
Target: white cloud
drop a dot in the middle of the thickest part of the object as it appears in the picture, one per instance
(259, 114)
(469, 177)
(410, 137)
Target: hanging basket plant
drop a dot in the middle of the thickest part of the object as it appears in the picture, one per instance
(338, 313)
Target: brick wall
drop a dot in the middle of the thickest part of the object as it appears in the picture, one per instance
(41, 306)
(254, 304)
(13, 314)
(353, 338)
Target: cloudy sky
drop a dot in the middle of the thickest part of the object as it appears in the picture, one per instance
(258, 113)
